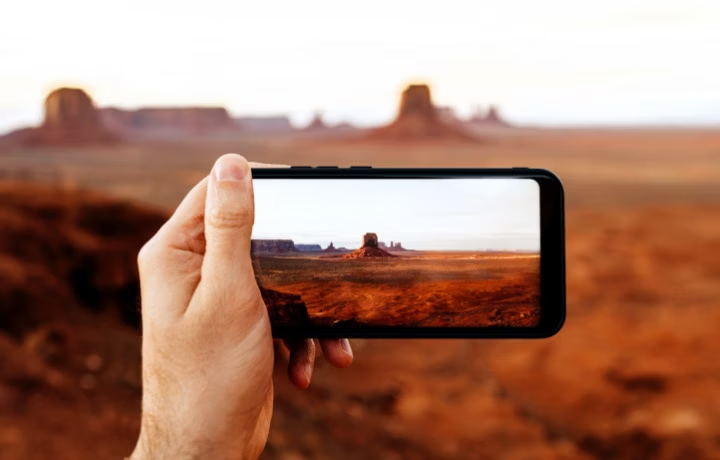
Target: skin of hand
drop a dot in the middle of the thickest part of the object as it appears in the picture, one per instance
(207, 350)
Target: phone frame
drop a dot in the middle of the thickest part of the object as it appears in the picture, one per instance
(552, 251)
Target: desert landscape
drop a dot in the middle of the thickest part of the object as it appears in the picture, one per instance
(634, 373)
(380, 285)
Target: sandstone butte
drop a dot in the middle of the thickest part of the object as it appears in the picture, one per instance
(71, 118)
(369, 249)
(418, 119)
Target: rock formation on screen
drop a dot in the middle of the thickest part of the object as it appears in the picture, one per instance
(396, 246)
(369, 248)
(418, 119)
(285, 309)
(370, 240)
(308, 247)
(331, 248)
(273, 246)
(71, 119)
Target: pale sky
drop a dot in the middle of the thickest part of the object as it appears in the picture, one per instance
(437, 214)
(562, 62)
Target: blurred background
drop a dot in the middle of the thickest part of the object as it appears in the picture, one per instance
(110, 113)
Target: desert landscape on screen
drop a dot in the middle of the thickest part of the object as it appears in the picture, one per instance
(634, 374)
(466, 252)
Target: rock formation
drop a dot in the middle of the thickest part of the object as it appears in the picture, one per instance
(285, 309)
(491, 118)
(168, 120)
(63, 253)
(396, 246)
(273, 246)
(447, 115)
(370, 240)
(71, 119)
(331, 248)
(265, 125)
(308, 247)
(317, 123)
(369, 248)
(418, 119)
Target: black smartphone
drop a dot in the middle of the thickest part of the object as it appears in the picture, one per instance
(410, 253)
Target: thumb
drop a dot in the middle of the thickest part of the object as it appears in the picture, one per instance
(229, 218)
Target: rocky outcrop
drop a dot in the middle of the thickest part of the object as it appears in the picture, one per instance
(370, 248)
(284, 309)
(71, 119)
(317, 123)
(188, 120)
(265, 125)
(273, 246)
(331, 248)
(396, 246)
(491, 118)
(370, 240)
(308, 247)
(64, 252)
(447, 115)
(418, 119)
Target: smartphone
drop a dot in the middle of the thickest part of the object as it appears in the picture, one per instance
(361, 252)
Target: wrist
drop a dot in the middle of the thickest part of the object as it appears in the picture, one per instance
(155, 443)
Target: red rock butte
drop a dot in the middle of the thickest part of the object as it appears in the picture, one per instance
(71, 118)
(418, 119)
(369, 249)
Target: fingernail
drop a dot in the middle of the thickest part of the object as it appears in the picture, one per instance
(229, 169)
(308, 368)
(345, 345)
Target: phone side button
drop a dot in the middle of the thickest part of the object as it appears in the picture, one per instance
(360, 167)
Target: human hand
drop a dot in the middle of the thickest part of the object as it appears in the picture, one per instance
(207, 344)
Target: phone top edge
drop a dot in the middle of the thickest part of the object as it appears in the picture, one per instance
(380, 172)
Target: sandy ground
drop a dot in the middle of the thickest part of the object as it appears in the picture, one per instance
(411, 289)
(633, 375)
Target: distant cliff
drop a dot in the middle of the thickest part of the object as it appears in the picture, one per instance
(274, 246)
(265, 125)
(184, 119)
(309, 247)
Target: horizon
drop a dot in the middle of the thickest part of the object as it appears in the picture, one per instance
(559, 63)
(422, 214)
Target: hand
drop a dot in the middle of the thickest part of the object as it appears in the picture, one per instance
(207, 345)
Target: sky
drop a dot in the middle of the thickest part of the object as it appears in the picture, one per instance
(422, 214)
(550, 62)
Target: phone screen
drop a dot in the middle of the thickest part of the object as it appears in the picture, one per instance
(411, 253)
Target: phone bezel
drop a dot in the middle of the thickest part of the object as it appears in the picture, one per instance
(552, 251)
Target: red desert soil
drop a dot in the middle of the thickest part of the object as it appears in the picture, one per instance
(633, 375)
(431, 289)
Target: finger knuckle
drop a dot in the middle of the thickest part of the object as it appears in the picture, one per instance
(235, 218)
(146, 255)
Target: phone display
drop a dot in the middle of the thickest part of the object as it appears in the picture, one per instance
(400, 254)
